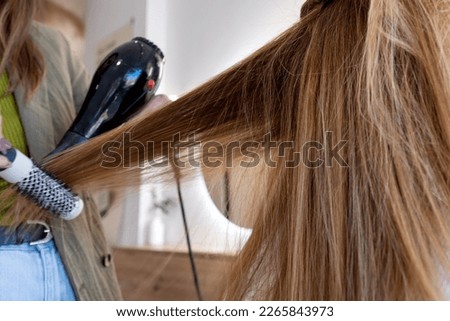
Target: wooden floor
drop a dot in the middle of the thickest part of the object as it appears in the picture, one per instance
(163, 276)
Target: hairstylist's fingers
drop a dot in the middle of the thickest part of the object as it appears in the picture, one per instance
(157, 102)
(4, 145)
(4, 162)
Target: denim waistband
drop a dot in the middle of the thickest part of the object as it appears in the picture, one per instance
(32, 232)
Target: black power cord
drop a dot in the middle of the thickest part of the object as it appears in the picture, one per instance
(227, 194)
(188, 241)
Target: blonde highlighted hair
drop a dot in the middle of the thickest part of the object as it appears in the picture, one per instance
(18, 54)
(376, 74)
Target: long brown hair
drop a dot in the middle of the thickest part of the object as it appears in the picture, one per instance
(373, 226)
(18, 53)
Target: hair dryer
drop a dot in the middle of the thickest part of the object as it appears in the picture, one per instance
(124, 81)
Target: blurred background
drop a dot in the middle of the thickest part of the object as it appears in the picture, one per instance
(200, 38)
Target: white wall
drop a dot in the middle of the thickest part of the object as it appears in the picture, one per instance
(104, 17)
(202, 37)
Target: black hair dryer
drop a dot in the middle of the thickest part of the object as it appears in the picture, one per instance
(124, 81)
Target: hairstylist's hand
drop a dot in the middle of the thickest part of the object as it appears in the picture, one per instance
(156, 103)
(4, 146)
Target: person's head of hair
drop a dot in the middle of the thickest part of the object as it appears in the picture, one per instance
(19, 56)
(358, 206)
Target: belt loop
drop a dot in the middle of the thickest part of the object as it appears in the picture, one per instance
(48, 236)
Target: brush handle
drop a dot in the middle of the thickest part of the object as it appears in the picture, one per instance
(40, 187)
(125, 80)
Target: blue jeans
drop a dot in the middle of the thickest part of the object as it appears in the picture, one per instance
(33, 273)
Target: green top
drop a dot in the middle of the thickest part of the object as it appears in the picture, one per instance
(11, 123)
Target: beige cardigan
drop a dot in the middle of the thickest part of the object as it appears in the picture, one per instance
(45, 119)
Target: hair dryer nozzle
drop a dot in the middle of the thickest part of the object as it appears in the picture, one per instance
(151, 44)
